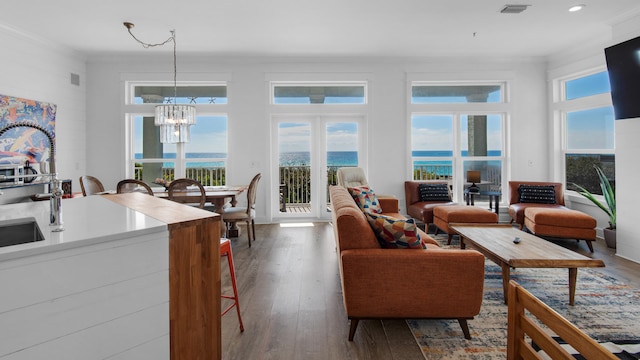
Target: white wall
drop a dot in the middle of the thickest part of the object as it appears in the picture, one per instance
(35, 69)
(249, 141)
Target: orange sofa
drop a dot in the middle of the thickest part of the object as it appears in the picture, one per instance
(379, 283)
(516, 208)
(421, 210)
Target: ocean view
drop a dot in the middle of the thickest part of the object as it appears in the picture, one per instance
(302, 158)
(334, 158)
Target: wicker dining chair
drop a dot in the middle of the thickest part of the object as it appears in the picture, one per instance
(182, 191)
(90, 185)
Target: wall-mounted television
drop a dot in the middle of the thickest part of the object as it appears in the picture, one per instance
(623, 63)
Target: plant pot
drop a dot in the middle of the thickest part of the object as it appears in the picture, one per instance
(610, 237)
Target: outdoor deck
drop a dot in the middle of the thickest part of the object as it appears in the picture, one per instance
(298, 208)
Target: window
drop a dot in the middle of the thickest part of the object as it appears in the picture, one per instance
(588, 130)
(447, 139)
(433, 94)
(319, 94)
(203, 159)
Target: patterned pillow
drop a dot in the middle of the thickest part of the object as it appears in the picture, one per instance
(541, 194)
(395, 233)
(434, 192)
(366, 199)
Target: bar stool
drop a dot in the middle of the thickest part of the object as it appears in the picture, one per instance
(225, 250)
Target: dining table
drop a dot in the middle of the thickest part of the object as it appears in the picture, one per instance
(218, 196)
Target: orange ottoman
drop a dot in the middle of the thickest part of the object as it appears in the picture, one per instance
(445, 215)
(561, 223)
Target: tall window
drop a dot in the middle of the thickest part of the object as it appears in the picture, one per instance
(455, 129)
(203, 158)
(588, 128)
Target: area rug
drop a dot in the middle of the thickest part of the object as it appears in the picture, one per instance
(605, 308)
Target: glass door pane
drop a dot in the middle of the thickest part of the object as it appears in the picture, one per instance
(294, 164)
(341, 150)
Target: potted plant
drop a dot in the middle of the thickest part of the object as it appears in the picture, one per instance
(609, 208)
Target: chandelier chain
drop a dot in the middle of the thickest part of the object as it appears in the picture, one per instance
(145, 45)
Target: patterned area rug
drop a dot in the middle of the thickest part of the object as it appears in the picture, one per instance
(605, 309)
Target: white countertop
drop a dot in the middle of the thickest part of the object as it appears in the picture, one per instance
(86, 220)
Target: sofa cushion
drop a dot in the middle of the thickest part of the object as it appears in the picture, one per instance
(541, 194)
(366, 199)
(434, 192)
(394, 233)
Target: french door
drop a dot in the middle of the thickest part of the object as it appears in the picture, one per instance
(308, 150)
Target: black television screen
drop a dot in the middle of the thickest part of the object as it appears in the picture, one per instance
(623, 63)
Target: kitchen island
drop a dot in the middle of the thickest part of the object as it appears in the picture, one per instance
(130, 277)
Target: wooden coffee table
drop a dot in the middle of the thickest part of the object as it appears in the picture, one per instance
(495, 242)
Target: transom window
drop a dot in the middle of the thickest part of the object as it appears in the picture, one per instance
(589, 85)
(339, 93)
(435, 94)
(213, 94)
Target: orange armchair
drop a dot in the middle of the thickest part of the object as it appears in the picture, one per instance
(418, 209)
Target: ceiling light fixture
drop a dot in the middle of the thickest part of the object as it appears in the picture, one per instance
(174, 120)
(575, 8)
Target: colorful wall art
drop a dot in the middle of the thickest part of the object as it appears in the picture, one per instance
(23, 144)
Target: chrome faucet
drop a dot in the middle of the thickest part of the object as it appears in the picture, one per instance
(55, 198)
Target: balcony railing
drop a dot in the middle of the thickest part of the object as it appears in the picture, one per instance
(295, 181)
(208, 176)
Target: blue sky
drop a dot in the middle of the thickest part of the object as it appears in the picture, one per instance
(588, 129)
(296, 137)
(435, 132)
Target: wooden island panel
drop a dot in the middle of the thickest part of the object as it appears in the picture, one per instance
(194, 274)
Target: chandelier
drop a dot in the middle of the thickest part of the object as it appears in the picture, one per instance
(174, 120)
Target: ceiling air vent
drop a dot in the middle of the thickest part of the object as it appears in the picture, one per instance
(514, 9)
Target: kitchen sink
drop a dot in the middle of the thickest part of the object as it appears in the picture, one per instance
(19, 231)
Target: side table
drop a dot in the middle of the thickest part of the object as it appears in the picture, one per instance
(494, 198)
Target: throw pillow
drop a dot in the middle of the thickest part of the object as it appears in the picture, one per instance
(541, 194)
(395, 233)
(366, 199)
(434, 192)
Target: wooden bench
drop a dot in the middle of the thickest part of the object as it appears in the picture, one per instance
(521, 323)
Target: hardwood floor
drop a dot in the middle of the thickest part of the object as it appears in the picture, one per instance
(291, 300)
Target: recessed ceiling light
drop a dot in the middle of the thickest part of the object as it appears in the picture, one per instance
(575, 8)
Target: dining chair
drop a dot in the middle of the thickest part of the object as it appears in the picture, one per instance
(240, 213)
(90, 185)
(225, 250)
(133, 185)
(180, 188)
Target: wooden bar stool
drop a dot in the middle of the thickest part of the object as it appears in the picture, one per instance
(225, 250)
